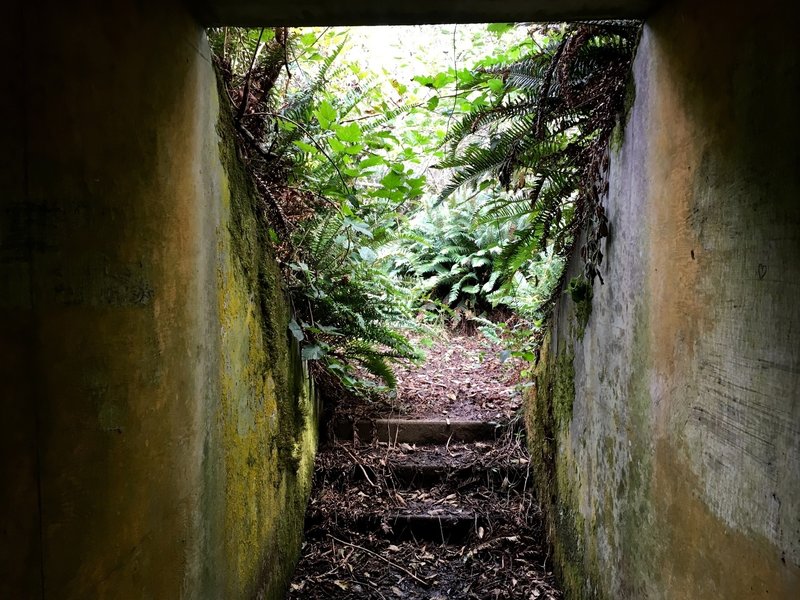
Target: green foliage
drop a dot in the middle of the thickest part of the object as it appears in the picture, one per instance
(518, 121)
(451, 256)
(538, 132)
(321, 149)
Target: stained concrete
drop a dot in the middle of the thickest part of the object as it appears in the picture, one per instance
(421, 431)
(676, 473)
(157, 431)
(258, 13)
(155, 425)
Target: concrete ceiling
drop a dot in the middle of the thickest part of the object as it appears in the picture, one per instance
(255, 13)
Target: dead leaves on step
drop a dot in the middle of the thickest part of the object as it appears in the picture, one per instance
(357, 541)
(351, 550)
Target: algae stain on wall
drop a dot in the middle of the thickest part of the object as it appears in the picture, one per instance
(159, 414)
(674, 473)
(267, 410)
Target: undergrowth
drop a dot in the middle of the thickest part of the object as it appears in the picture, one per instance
(370, 241)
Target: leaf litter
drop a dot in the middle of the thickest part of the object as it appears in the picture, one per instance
(356, 545)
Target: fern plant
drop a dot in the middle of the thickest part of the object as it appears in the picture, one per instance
(452, 257)
(544, 138)
(309, 153)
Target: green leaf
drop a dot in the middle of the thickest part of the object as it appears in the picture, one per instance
(328, 329)
(336, 145)
(306, 147)
(499, 28)
(401, 88)
(325, 114)
(371, 161)
(358, 226)
(465, 76)
(377, 365)
(367, 253)
(392, 180)
(441, 80)
(296, 330)
(314, 352)
(308, 38)
(348, 133)
(496, 85)
(433, 103)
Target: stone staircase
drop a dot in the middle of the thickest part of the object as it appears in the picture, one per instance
(450, 490)
(432, 464)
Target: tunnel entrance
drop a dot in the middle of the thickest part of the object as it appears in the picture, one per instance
(158, 418)
(425, 186)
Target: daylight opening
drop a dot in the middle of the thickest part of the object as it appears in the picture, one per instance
(422, 188)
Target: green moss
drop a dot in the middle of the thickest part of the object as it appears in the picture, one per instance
(575, 518)
(562, 382)
(618, 134)
(267, 409)
(548, 415)
(581, 292)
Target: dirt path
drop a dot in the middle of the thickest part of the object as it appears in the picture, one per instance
(450, 520)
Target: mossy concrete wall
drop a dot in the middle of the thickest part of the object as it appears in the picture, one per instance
(667, 436)
(157, 425)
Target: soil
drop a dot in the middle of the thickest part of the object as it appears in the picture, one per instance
(463, 377)
(455, 521)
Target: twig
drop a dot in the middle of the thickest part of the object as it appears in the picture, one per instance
(386, 560)
(360, 466)
(286, 53)
(455, 96)
(302, 128)
(311, 45)
(246, 88)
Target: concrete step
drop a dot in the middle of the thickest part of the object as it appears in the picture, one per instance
(441, 528)
(414, 476)
(420, 431)
(441, 525)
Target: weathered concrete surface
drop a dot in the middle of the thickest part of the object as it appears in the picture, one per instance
(20, 547)
(157, 430)
(668, 436)
(421, 431)
(259, 13)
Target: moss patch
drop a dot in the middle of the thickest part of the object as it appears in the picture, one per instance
(267, 410)
(581, 292)
(548, 416)
(618, 134)
(562, 388)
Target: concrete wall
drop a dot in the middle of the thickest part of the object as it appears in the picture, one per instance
(258, 13)
(667, 436)
(156, 423)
